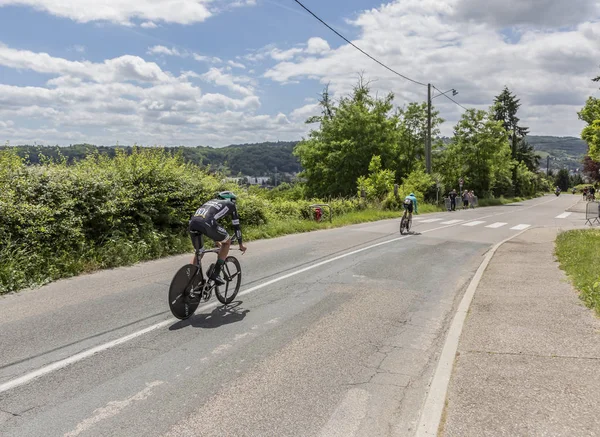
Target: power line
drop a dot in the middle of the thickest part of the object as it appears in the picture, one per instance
(450, 98)
(356, 47)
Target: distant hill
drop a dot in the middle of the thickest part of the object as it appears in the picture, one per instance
(261, 159)
(565, 152)
(264, 159)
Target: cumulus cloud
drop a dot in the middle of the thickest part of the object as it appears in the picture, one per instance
(432, 41)
(122, 12)
(236, 64)
(117, 69)
(546, 13)
(218, 77)
(130, 100)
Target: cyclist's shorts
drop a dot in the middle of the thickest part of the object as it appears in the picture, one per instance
(408, 205)
(210, 228)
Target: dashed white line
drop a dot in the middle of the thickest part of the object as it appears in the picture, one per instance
(520, 227)
(496, 225)
(475, 223)
(431, 220)
(451, 222)
(564, 215)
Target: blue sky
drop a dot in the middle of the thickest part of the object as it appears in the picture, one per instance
(106, 71)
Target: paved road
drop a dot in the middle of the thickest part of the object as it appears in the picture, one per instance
(345, 347)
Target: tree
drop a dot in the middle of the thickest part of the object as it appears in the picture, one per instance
(562, 179)
(479, 151)
(591, 169)
(337, 153)
(591, 133)
(506, 106)
(379, 181)
(413, 133)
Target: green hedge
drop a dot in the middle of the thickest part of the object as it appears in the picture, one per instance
(59, 220)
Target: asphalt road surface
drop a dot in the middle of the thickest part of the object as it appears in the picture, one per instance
(334, 333)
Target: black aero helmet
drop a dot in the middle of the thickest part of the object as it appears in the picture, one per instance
(228, 195)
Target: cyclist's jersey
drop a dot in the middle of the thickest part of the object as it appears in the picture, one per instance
(414, 201)
(216, 209)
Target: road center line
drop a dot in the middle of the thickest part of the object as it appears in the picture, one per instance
(28, 377)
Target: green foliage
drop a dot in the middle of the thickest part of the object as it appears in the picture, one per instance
(378, 183)
(591, 135)
(578, 255)
(562, 179)
(480, 153)
(339, 152)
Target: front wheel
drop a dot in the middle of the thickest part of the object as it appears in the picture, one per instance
(231, 272)
(185, 280)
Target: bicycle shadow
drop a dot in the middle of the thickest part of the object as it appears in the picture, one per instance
(220, 316)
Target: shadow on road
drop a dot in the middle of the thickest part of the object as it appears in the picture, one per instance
(222, 315)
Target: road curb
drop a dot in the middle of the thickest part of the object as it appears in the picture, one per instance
(433, 408)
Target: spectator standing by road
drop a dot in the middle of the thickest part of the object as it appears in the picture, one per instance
(465, 199)
(453, 194)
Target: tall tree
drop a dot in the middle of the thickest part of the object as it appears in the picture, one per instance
(562, 179)
(337, 153)
(413, 132)
(506, 106)
(479, 152)
(590, 113)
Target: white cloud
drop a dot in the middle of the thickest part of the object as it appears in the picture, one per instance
(131, 102)
(545, 13)
(317, 46)
(218, 77)
(117, 69)
(149, 25)
(429, 41)
(236, 64)
(122, 12)
(162, 50)
(306, 111)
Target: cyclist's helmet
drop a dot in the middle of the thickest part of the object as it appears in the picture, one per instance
(228, 195)
(411, 194)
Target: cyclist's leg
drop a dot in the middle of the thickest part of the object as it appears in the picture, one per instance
(219, 234)
(196, 229)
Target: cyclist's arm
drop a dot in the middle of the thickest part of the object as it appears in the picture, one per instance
(235, 221)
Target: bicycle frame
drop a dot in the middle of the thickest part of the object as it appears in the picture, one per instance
(203, 288)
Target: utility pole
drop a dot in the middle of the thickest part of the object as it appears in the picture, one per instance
(548, 166)
(428, 140)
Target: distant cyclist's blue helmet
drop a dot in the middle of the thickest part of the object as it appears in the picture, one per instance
(412, 194)
(227, 195)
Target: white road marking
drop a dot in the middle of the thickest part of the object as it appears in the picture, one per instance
(431, 220)
(496, 225)
(345, 420)
(564, 215)
(28, 377)
(475, 223)
(112, 409)
(520, 227)
(451, 222)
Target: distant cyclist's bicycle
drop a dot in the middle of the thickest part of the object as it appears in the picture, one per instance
(189, 286)
(405, 223)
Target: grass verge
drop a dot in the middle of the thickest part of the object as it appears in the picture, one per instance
(578, 255)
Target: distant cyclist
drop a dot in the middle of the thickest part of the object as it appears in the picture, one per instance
(205, 222)
(410, 203)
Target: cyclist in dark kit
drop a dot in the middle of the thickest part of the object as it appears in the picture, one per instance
(205, 221)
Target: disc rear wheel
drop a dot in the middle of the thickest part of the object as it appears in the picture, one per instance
(186, 279)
